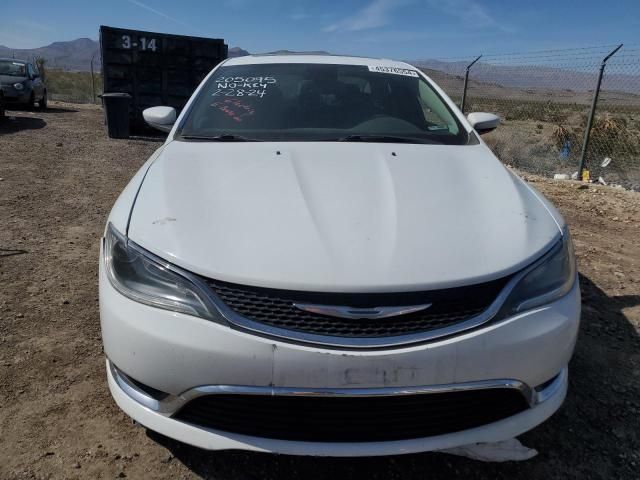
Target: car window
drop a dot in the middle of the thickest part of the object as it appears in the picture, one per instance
(13, 68)
(30, 69)
(298, 102)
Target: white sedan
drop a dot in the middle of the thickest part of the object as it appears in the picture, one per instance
(324, 258)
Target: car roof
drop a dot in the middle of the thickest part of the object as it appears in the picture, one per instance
(315, 58)
(13, 60)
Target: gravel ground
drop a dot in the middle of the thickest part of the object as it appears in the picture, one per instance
(59, 176)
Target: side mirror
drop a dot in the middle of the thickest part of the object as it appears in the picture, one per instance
(483, 122)
(161, 118)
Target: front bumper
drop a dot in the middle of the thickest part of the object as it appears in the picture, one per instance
(176, 354)
(13, 96)
(130, 399)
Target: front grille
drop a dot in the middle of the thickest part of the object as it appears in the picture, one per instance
(275, 308)
(352, 419)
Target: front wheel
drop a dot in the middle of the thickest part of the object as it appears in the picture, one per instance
(43, 101)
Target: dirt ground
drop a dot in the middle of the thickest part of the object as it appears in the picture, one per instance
(59, 176)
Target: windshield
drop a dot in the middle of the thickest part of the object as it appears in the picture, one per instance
(316, 102)
(14, 69)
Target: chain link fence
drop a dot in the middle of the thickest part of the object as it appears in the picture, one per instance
(544, 99)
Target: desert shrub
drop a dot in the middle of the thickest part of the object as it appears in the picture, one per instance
(612, 137)
(41, 64)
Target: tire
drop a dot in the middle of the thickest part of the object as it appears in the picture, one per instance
(42, 104)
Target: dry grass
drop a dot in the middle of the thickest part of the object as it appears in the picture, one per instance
(72, 86)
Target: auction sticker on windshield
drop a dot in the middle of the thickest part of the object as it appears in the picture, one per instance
(394, 70)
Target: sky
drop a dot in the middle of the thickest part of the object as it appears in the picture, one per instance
(402, 29)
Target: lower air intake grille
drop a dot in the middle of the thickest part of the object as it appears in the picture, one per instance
(352, 419)
(275, 308)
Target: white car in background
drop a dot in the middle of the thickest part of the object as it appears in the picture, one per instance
(325, 259)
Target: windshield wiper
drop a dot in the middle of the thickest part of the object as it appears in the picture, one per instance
(227, 137)
(383, 139)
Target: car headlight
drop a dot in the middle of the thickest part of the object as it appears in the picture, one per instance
(549, 279)
(18, 86)
(140, 276)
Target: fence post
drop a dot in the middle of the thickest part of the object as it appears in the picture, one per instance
(466, 80)
(587, 132)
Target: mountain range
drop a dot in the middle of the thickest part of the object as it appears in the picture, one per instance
(76, 55)
(578, 79)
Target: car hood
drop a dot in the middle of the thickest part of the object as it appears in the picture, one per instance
(10, 79)
(339, 217)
